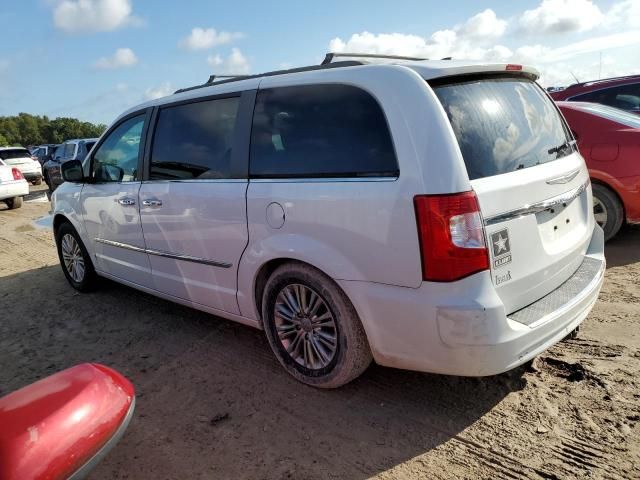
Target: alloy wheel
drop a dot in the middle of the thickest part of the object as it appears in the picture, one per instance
(73, 259)
(599, 212)
(305, 326)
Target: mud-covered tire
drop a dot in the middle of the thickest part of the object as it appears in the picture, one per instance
(13, 203)
(605, 201)
(351, 356)
(89, 280)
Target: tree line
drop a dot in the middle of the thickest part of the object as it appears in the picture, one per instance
(25, 129)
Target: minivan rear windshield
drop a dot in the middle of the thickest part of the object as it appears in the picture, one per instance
(503, 124)
(14, 153)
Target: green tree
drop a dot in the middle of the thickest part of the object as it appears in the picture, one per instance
(26, 129)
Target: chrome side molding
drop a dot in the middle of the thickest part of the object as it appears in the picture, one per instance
(563, 199)
(162, 253)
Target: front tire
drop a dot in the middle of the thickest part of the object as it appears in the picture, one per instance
(607, 210)
(13, 203)
(313, 328)
(74, 259)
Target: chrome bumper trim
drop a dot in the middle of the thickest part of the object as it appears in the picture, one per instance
(543, 206)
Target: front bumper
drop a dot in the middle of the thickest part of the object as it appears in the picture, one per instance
(461, 328)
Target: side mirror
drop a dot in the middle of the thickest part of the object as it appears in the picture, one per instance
(72, 171)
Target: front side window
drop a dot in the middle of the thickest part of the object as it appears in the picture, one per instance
(194, 140)
(326, 130)
(625, 97)
(503, 124)
(116, 160)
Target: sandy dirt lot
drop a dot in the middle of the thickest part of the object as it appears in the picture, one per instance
(214, 403)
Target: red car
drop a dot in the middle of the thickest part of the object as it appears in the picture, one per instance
(609, 141)
(60, 427)
(620, 92)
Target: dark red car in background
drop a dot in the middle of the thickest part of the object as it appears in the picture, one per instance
(620, 92)
(609, 141)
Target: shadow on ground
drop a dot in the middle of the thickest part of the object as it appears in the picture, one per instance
(624, 248)
(212, 401)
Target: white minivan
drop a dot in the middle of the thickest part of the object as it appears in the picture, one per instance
(428, 215)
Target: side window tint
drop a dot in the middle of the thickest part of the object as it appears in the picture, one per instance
(116, 160)
(69, 148)
(625, 97)
(194, 140)
(320, 131)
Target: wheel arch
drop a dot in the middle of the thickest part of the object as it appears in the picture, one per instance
(267, 268)
(58, 220)
(608, 186)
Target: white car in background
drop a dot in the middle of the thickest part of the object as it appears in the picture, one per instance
(23, 160)
(12, 186)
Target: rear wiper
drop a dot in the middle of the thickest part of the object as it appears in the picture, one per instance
(559, 149)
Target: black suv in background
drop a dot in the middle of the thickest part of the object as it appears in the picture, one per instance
(69, 150)
(44, 152)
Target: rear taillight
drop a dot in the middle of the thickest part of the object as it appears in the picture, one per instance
(17, 174)
(452, 242)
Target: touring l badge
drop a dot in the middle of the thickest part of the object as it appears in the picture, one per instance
(501, 246)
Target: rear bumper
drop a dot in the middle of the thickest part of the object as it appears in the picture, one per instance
(13, 189)
(30, 176)
(461, 328)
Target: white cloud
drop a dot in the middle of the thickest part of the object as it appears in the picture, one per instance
(235, 64)
(624, 12)
(76, 16)
(475, 39)
(201, 39)
(123, 57)
(159, 91)
(561, 16)
(443, 43)
(542, 54)
(483, 25)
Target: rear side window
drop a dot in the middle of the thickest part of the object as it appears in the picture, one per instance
(503, 124)
(14, 153)
(320, 131)
(69, 150)
(194, 140)
(625, 97)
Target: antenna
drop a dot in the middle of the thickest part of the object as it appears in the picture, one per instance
(575, 78)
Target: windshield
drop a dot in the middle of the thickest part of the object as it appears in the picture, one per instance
(503, 124)
(611, 113)
(14, 153)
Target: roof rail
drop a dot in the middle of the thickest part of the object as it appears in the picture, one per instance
(330, 56)
(238, 77)
(213, 78)
(601, 80)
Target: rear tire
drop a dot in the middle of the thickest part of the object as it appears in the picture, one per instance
(301, 304)
(13, 203)
(38, 181)
(607, 210)
(74, 259)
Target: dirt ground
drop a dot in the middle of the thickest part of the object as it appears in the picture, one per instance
(214, 403)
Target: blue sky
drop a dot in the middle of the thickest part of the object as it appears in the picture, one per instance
(92, 59)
